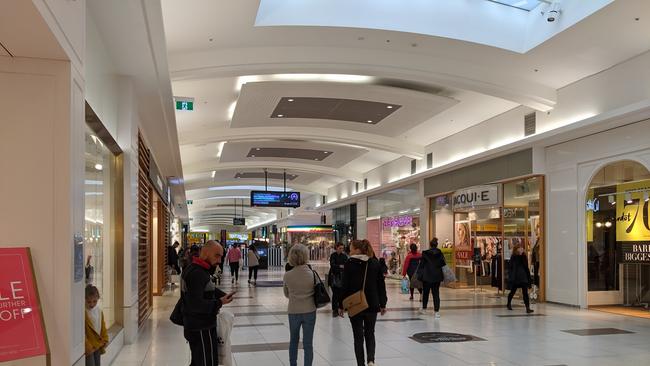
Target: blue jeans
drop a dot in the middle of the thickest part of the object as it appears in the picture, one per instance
(308, 322)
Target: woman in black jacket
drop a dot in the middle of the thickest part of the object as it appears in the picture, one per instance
(431, 275)
(519, 276)
(363, 324)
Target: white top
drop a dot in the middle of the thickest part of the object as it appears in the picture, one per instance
(299, 289)
(253, 258)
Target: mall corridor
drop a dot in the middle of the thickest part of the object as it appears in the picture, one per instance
(494, 145)
(260, 335)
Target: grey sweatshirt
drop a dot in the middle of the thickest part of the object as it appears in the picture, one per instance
(299, 289)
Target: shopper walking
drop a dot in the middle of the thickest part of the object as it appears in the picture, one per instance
(172, 257)
(363, 268)
(299, 289)
(96, 334)
(253, 263)
(411, 264)
(431, 274)
(335, 277)
(519, 276)
(202, 301)
(234, 256)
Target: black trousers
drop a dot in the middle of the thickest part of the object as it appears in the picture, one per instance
(203, 346)
(363, 328)
(433, 287)
(234, 270)
(411, 289)
(524, 290)
(337, 298)
(252, 272)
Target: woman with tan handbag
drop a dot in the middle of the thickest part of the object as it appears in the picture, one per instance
(364, 296)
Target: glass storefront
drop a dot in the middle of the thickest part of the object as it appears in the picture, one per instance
(618, 235)
(478, 227)
(99, 241)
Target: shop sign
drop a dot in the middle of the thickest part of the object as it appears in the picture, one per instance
(22, 334)
(632, 213)
(476, 196)
(593, 205)
(397, 221)
(634, 253)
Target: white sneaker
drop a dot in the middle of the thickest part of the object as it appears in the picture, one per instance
(371, 364)
(423, 311)
(437, 315)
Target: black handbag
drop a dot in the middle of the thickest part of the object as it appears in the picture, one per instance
(176, 316)
(321, 297)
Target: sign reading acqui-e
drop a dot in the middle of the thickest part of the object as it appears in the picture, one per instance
(476, 196)
(22, 333)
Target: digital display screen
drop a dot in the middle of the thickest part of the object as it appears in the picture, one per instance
(275, 199)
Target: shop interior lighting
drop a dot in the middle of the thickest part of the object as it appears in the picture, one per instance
(608, 224)
(99, 166)
(628, 197)
(645, 196)
(611, 199)
(599, 224)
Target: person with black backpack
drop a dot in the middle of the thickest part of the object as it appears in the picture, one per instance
(431, 275)
(411, 264)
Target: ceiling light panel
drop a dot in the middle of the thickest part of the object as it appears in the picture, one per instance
(350, 110)
(260, 175)
(288, 153)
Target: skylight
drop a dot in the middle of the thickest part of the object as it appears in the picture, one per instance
(527, 5)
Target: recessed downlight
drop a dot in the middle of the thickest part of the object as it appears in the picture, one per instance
(257, 149)
(389, 106)
(369, 121)
(252, 156)
(99, 166)
(290, 100)
(280, 115)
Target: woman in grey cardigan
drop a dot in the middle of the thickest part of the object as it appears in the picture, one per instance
(299, 289)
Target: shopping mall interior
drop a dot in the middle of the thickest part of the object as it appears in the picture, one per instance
(489, 125)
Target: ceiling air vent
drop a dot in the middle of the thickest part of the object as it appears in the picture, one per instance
(530, 124)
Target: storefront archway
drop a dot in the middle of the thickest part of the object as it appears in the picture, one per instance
(617, 233)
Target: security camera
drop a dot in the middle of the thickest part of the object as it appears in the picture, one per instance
(553, 12)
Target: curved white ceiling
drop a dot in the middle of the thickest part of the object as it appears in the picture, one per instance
(478, 21)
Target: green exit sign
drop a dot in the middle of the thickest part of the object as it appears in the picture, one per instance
(184, 105)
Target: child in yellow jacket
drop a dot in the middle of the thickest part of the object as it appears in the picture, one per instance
(96, 334)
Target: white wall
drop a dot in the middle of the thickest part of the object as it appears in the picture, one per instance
(570, 167)
(42, 144)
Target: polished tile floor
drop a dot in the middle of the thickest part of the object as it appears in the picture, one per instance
(261, 333)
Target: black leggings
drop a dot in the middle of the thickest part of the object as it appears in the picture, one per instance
(363, 328)
(411, 289)
(234, 270)
(434, 287)
(252, 272)
(203, 346)
(524, 290)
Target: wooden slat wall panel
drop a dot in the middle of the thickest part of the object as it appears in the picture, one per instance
(145, 305)
(166, 218)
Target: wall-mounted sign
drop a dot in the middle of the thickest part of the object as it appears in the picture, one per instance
(275, 199)
(593, 205)
(239, 221)
(634, 253)
(22, 333)
(476, 197)
(632, 213)
(157, 181)
(397, 221)
(311, 229)
(182, 105)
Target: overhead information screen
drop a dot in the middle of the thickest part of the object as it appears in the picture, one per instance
(275, 199)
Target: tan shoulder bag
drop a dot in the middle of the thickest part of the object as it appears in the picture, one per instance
(357, 302)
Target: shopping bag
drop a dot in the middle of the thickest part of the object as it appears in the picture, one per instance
(448, 275)
(225, 321)
(405, 286)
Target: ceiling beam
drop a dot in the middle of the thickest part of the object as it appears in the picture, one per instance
(330, 135)
(209, 166)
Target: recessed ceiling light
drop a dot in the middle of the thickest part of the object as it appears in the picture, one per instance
(369, 121)
(389, 106)
(257, 149)
(290, 100)
(280, 115)
(252, 156)
(316, 159)
(98, 166)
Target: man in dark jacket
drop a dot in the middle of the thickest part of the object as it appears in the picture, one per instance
(335, 277)
(172, 257)
(431, 275)
(201, 303)
(519, 276)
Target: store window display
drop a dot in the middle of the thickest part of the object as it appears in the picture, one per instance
(99, 248)
(617, 233)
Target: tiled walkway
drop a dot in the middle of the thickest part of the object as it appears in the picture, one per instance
(261, 333)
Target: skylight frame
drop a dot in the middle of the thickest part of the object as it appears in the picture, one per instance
(512, 3)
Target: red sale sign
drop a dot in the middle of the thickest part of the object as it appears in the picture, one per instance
(21, 324)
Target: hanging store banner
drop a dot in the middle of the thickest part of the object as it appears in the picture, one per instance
(22, 333)
(476, 197)
(632, 213)
(634, 253)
